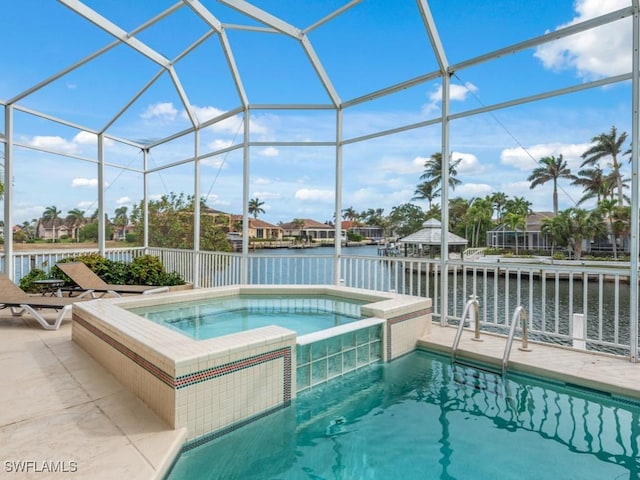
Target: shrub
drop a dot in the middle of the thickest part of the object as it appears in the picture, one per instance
(559, 256)
(26, 282)
(144, 270)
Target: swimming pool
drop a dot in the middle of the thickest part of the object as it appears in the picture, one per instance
(210, 385)
(215, 317)
(419, 417)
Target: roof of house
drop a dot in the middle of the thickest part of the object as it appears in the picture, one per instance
(308, 224)
(254, 222)
(431, 235)
(534, 221)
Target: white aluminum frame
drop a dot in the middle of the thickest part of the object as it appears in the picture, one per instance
(277, 26)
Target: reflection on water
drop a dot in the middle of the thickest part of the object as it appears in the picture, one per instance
(418, 417)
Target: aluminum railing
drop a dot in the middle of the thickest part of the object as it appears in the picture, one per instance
(518, 314)
(550, 293)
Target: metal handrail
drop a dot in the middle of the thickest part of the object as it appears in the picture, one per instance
(472, 302)
(518, 312)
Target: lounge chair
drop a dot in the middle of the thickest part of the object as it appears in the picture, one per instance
(18, 301)
(87, 281)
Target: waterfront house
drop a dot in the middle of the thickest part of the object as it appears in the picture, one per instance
(309, 230)
(258, 229)
(373, 233)
(529, 238)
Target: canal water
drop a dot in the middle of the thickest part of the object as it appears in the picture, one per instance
(498, 297)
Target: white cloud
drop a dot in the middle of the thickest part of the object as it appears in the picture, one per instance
(266, 195)
(164, 111)
(469, 163)
(597, 53)
(86, 138)
(231, 125)
(123, 200)
(527, 160)
(261, 181)
(54, 143)
(315, 195)
(269, 152)
(84, 182)
(457, 92)
(402, 167)
(219, 144)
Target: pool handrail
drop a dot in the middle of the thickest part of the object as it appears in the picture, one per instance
(473, 302)
(519, 312)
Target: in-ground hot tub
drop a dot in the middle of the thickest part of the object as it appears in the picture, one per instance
(212, 385)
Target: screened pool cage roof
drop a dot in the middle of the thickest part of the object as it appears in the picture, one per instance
(227, 73)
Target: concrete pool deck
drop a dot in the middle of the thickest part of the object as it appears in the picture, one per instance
(60, 406)
(62, 410)
(603, 372)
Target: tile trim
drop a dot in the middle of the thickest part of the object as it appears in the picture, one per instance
(399, 319)
(194, 378)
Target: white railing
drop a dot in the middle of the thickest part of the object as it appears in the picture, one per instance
(551, 294)
(24, 262)
(473, 253)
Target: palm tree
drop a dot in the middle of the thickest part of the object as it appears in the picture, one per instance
(76, 219)
(581, 225)
(433, 171)
(608, 208)
(595, 184)
(121, 219)
(607, 145)
(349, 214)
(255, 207)
(298, 224)
(515, 221)
(518, 205)
(372, 216)
(94, 216)
(458, 208)
(479, 216)
(555, 229)
(426, 191)
(52, 213)
(550, 169)
(622, 223)
(499, 200)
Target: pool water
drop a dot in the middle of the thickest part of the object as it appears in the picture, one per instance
(220, 316)
(419, 417)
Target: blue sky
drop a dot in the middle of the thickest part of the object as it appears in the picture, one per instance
(372, 45)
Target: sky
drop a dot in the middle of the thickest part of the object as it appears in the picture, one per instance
(368, 47)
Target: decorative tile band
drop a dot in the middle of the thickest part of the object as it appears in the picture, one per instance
(403, 318)
(221, 370)
(203, 375)
(154, 370)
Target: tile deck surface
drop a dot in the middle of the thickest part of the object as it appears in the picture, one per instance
(62, 410)
(607, 373)
(60, 406)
